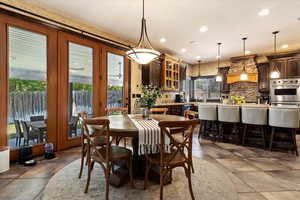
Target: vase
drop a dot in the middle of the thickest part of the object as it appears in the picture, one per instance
(146, 113)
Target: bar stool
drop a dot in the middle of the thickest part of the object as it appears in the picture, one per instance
(255, 116)
(284, 117)
(229, 114)
(207, 113)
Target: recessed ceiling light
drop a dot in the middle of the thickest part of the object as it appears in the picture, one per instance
(162, 40)
(284, 46)
(247, 52)
(183, 50)
(203, 29)
(264, 12)
(198, 57)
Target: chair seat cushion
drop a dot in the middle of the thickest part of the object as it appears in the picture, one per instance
(117, 153)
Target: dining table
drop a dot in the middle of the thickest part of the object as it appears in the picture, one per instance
(123, 126)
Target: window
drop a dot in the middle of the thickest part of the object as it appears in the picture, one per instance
(80, 85)
(115, 87)
(206, 88)
(27, 118)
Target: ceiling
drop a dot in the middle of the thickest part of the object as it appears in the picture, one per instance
(179, 22)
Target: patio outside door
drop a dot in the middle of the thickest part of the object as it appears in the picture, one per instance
(79, 85)
(28, 82)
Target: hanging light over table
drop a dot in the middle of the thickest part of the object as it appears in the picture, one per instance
(244, 75)
(143, 53)
(219, 77)
(275, 72)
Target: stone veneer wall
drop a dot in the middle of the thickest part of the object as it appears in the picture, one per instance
(247, 89)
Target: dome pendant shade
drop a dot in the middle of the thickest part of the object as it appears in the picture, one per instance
(143, 56)
(143, 53)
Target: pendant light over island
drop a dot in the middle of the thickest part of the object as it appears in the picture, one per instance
(219, 77)
(244, 75)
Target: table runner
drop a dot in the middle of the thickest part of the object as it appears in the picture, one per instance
(149, 136)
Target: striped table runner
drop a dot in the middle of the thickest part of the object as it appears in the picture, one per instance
(149, 136)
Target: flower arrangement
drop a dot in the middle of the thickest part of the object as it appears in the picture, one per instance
(237, 99)
(149, 96)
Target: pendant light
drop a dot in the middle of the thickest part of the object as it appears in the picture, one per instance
(244, 75)
(143, 53)
(199, 74)
(219, 76)
(275, 72)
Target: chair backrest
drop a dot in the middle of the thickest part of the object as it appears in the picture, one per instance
(256, 115)
(26, 130)
(102, 130)
(207, 112)
(284, 117)
(123, 111)
(37, 118)
(82, 115)
(177, 147)
(229, 113)
(190, 114)
(159, 110)
(18, 128)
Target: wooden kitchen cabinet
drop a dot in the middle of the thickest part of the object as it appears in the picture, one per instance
(263, 77)
(293, 68)
(151, 74)
(289, 67)
(170, 73)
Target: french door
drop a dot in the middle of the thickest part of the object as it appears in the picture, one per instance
(28, 84)
(80, 85)
(117, 70)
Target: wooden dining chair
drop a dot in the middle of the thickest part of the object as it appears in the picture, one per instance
(84, 150)
(180, 154)
(106, 155)
(159, 110)
(120, 110)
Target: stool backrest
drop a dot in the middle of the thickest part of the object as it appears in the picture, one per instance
(229, 113)
(285, 117)
(207, 112)
(255, 115)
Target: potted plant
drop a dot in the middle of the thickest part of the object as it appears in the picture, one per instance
(148, 99)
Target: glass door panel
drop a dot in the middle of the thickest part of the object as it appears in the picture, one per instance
(115, 80)
(80, 85)
(27, 99)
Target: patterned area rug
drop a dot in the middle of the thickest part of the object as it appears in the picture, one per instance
(209, 183)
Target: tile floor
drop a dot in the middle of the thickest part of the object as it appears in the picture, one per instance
(257, 174)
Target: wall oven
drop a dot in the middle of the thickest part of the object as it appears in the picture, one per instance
(285, 91)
